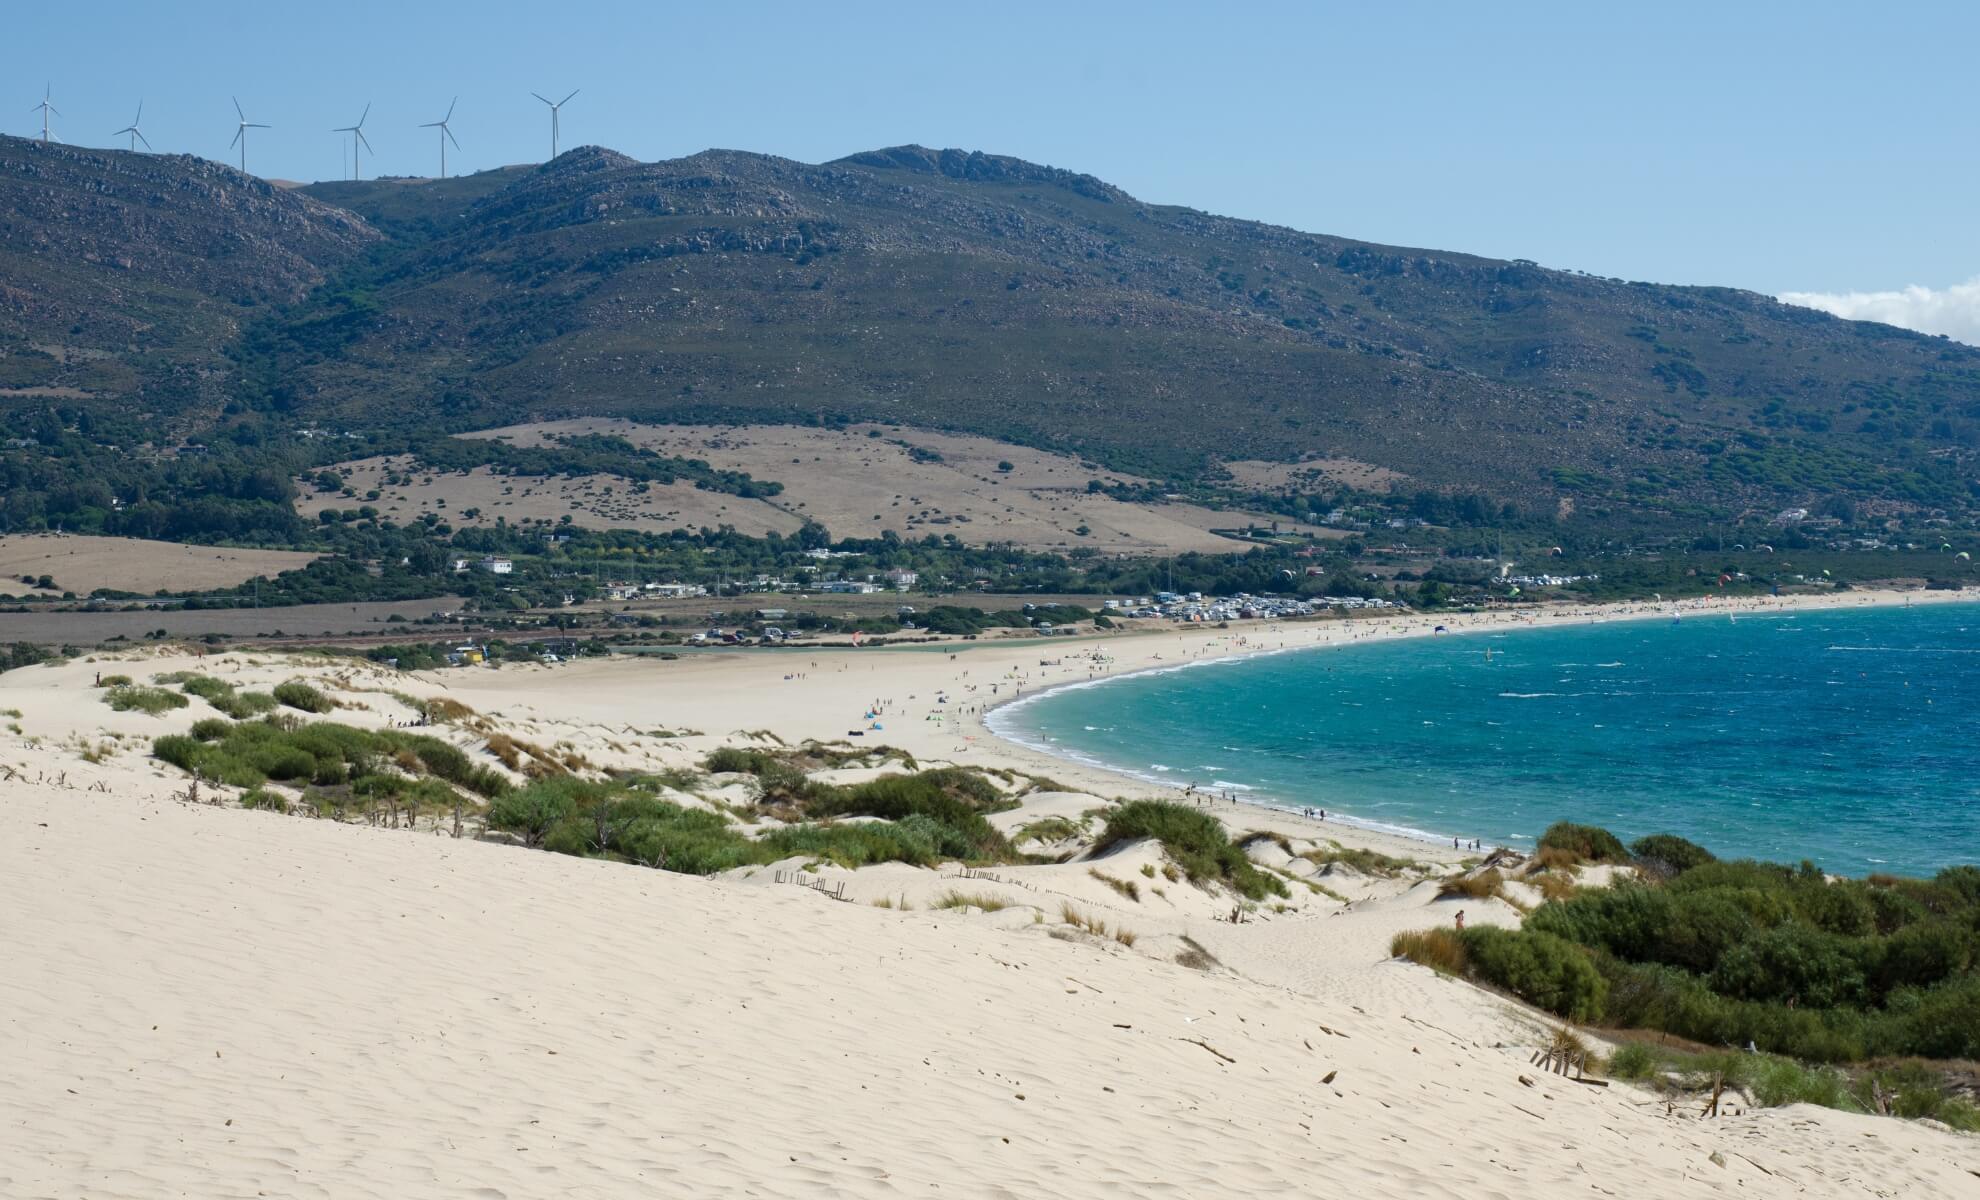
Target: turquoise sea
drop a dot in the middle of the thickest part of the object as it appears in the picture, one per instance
(1851, 738)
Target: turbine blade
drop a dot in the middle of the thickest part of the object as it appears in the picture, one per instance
(237, 136)
(364, 139)
(567, 99)
(142, 138)
(53, 109)
(140, 116)
(538, 95)
(451, 137)
(237, 108)
(366, 113)
(450, 110)
(432, 125)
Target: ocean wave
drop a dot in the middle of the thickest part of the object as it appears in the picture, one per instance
(1906, 649)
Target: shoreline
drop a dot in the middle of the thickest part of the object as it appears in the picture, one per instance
(1398, 628)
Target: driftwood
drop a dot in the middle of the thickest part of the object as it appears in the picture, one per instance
(1219, 1053)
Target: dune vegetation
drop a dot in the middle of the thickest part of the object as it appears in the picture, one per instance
(1784, 960)
(1194, 840)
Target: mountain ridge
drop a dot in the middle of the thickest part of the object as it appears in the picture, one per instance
(980, 293)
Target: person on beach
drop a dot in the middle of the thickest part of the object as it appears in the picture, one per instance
(1460, 920)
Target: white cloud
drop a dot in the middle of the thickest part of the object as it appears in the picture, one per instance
(1953, 311)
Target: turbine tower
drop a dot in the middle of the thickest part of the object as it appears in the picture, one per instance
(240, 134)
(447, 135)
(357, 138)
(554, 106)
(137, 135)
(45, 107)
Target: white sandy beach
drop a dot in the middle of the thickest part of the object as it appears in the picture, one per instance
(204, 1001)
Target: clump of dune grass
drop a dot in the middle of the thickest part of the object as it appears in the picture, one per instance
(1126, 887)
(1553, 885)
(1441, 950)
(1195, 957)
(262, 798)
(1125, 937)
(299, 695)
(1368, 862)
(1049, 829)
(1194, 840)
(128, 697)
(983, 900)
(444, 710)
(1085, 922)
(1482, 886)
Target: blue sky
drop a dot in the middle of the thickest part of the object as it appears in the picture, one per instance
(1809, 147)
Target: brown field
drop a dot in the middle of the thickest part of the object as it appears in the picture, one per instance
(82, 564)
(53, 626)
(860, 481)
(593, 501)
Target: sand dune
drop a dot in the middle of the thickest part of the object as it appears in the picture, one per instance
(210, 1002)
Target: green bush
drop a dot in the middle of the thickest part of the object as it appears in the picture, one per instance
(326, 754)
(243, 706)
(299, 695)
(1669, 854)
(1589, 843)
(736, 760)
(1796, 963)
(210, 729)
(1546, 971)
(1194, 840)
(945, 798)
(1632, 1060)
(534, 811)
(263, 798)
(133, 698)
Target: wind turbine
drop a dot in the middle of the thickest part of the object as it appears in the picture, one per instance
(447, 135)
(553, 116)
(44, 108)
(137, 135)
(240, 135)
(357, 138)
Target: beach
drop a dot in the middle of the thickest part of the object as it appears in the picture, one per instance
(208, 1001)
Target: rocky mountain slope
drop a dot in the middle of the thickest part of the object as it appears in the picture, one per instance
(963, 292)
(124, 276)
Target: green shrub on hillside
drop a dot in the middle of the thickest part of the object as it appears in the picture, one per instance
(1194, 840)
(299, 695)
(1668, 854)
(1544, 970)
(126, 697)
(1588, 843)
(326, 755)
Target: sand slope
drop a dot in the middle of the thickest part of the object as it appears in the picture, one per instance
(216, 1003)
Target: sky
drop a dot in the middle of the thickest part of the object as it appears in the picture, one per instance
(1826, 151)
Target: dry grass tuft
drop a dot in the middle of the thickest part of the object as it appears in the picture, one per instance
(1482, 886)
(1126, 887)
(1442, 950)
(1553, 885)
(983, 900)
(1195, 957)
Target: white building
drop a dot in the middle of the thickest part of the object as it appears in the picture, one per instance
(495, 566)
